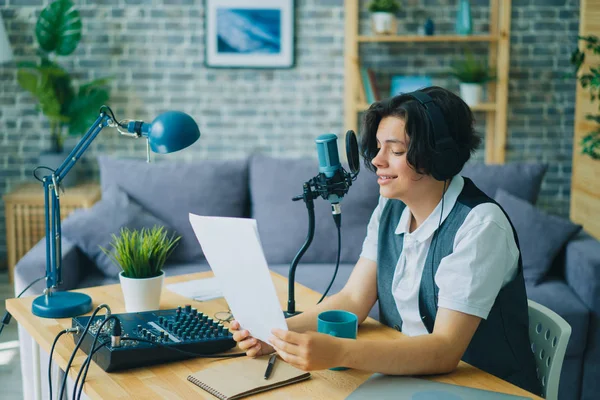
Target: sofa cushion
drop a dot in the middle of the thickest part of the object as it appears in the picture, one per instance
(519, 179)
(541, 236)
(172, 190)
(559, 297)
(93, 227)
(283, 223)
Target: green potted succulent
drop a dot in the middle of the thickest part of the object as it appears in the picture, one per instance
(472, 75)
(141, 255)
(383, 16)
(589, 80)
(70, 106)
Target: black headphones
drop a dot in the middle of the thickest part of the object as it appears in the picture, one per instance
(447, 160)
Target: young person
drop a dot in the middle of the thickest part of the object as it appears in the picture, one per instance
(441, 257)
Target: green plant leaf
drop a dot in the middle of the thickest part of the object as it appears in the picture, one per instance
(83, 110)
(58, 28)
(389, 6)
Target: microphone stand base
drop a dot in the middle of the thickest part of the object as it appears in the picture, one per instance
(288, 314)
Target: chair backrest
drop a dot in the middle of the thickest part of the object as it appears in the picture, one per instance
(549, 335)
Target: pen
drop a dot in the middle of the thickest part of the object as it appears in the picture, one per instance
(270, 366)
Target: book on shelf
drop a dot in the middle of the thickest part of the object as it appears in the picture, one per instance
(405, 84)
(370, 85)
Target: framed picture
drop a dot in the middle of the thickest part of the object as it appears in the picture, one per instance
(249, 34)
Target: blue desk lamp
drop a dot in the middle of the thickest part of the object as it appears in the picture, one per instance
(169, 132)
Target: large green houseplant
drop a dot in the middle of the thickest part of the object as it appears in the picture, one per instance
(589, 80)
(71, 107)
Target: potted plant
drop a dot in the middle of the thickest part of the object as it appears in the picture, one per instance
(383, 16)
(590, 80)
(71, 107)
(141, 255)
(472, 74)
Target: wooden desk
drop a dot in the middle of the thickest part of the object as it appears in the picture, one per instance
(168, 381)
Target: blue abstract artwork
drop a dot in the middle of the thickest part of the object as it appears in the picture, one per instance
(248, 31)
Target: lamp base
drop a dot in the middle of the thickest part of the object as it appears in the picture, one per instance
(61, 305)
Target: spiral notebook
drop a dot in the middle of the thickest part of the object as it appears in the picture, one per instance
(235, 379)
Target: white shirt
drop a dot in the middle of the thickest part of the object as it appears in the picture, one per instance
(485, 258)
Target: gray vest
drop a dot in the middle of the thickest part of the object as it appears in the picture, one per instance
(500, 345)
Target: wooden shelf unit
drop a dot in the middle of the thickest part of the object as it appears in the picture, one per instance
(495, 107)
(25, 220)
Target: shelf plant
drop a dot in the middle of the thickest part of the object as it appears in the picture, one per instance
(590, 81)
(472, 73)
(70, 106)
(383, 16)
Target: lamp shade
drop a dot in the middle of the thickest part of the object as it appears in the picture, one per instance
(171, 131)
(6, 54)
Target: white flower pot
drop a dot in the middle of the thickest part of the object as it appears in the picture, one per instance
(383, 23)
(471, 93)
(142, 294)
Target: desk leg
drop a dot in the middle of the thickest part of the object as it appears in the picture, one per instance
(37, 381)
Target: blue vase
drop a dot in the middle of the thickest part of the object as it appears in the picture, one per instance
(464, 25)
(429, 27)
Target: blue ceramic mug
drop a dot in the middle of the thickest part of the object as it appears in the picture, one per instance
(338, 323)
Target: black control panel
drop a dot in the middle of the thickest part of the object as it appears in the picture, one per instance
(183, 328)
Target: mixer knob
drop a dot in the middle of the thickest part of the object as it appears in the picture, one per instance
(139, 328)
(178, 309)
(194, 311)
(188, 308)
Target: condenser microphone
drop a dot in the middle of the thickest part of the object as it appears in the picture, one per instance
(327, 151)
(332, 177)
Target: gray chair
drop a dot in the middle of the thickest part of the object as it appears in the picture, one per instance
(549, 334)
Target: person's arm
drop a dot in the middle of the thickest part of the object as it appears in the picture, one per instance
(358, 296)
(437, 353)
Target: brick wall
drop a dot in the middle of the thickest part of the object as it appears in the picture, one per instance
(155, 51)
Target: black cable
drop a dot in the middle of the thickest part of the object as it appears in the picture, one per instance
(7, 316)
(337, 218)
(89, 357)
(86, 362)
(112, 115)
(86, 365)
(87, 327)
(41, 167)
(50, 358)
(435, 244)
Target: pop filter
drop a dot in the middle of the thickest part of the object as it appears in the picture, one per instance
(352, 152)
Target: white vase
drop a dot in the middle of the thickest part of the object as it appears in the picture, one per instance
(471, 93)
(383, 23)
(142, 294)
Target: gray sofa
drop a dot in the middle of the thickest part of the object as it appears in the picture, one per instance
(135, 194)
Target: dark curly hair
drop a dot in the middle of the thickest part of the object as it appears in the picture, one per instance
(421, 149)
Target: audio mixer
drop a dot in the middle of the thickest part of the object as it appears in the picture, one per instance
(182, 328)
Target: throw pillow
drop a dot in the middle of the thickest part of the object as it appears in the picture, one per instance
(283, 223)
(171, 190)
(541, 235)
(94, 227)
(519, 179)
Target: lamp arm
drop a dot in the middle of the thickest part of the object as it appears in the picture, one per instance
(101, 122)
(52, 203)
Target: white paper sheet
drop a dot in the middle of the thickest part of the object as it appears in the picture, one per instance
(233, 251)
(198, 289)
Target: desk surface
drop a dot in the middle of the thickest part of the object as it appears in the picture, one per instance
(168, 381)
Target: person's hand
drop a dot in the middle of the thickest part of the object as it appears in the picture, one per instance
(251, 345)
(307, 351)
